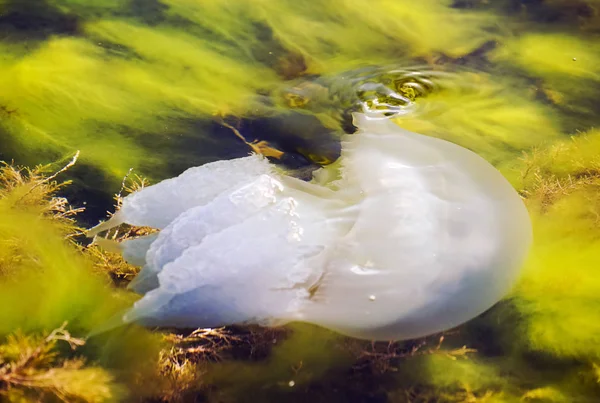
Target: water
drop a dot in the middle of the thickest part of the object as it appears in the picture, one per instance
(157, 86)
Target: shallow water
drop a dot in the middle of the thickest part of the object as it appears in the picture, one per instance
(153, 87)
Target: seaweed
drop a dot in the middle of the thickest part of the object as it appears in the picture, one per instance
(47, 278)
(147, 88)
(31, 368)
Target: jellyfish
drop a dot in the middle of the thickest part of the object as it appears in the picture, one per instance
(407, 236)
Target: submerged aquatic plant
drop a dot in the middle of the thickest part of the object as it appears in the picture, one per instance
(46, 280)
(78, 74)
(108, 93)
(565, 69)
(490, 116)
(558, 294)
(330, 35)
(31, 368)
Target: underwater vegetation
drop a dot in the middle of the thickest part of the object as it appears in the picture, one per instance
(490, 116)
(123, 77)
(582, 14)
(159, 86)
(113, 82)
(55, 297)
(562, 184)
(559, 63)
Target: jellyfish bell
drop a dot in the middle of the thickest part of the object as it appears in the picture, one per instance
(417, 235)
(440, 237)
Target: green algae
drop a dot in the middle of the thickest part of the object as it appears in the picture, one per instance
(118, 80)
(47, 281)
(559, 289)
(119, 77)
(490, 115)
(308, 353)
(332, 35)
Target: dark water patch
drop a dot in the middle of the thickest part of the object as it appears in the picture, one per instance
(341, 392)
(304, 143)
(214, 141)
(177, 144)
(488, 333)
(8, 148)
(583, 112)
(505, 6)
(91, 189)
(268, 50)
(151, 12)
(466, 4)
(35, 19)
(198, 142)
(548, 368)
(187, 142)
(476, 60)
(566, 12)
(295, 132)
(347, 122)
(114, 49)
(343, 386)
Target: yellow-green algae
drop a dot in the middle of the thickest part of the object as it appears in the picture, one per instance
(120, 85)
(119, 81)
(565, 66)
(560, 288)
(336, 35)
(307, 354)
(490, 115)
(45, 280)
(59, 93)
(68, 95)
(182, 71)
(553, 54)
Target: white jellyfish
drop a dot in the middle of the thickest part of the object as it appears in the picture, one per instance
(415, 235)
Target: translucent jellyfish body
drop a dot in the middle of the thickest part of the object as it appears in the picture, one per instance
(415, 236)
